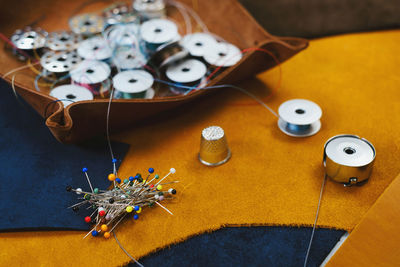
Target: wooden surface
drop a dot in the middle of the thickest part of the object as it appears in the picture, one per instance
(376, 239)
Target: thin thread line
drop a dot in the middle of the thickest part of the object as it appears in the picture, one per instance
(225, 86)
(126, 252)
(107, 124)
(315, 222)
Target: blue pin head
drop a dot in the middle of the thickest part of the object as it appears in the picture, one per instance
(84, 169)
(114, 160)
(131, 178)
(151, 170)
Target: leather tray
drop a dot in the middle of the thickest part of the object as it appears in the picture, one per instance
(82, 120)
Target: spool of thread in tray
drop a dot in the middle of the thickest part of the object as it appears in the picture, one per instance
(93, 75)
(187, 72)
(132, 84)
(157, 32)
(59, 63)
(222, 56)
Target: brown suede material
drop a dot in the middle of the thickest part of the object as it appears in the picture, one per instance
(82, 120)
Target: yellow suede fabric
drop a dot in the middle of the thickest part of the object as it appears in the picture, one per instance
(271, 179)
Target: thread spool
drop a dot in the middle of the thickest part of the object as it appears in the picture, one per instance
(127, 58)
(118, 13)
(198, 43)
(214, 149)
(188, 72)
(222, 55)
(168, 54)
(123, 35)
(93, 75)
(63, 40)
(28, 40)
(95, 48)
(59, 63)
(299, 118)
(348, 159)
(87, 24)
(71, 93)
(157, 32)
(133, 84)
(149, 9)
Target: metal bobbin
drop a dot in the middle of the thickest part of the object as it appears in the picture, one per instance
(299, 118)
(119, 13)
(87, 24)
(348, 159)
(28, 40)
(222, 55)
(133, 84)
(198, 43)
(214, 149)
(63, 40)
(187, 72)
(71, 93)
(127, 58)
(168, 54)
(92, 74)
(149, 9)
(157, 32)
(59, 63)
(94, 48)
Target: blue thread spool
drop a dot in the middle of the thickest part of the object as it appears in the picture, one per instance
(157, 32)
(188, 72)
(132, 84)
(299, 118)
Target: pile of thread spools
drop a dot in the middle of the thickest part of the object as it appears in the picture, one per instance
(134, 48)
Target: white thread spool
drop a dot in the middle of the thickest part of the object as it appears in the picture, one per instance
(156, 32)
(188, 72)
(123, 35)
(223, 55)
(126, 58)
(94, 48)
(299, 118)
(71, 93)
(92, 74)
(198, 43)
(133, 84)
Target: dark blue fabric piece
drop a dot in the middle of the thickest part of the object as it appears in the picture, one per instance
(248, 246)
(35, 169)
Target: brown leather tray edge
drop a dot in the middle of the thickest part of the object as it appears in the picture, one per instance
(82, 120)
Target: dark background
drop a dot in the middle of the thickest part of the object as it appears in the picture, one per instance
(316, 18)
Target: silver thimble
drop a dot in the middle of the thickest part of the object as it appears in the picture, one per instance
(214, 148)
